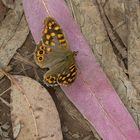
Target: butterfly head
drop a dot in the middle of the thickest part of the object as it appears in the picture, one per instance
(75, 53)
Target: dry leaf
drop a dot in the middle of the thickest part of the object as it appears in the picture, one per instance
(34, 110)
(134, 43)
(13, 31)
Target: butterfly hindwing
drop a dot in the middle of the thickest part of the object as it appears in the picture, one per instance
(50, 80)
(68, 76)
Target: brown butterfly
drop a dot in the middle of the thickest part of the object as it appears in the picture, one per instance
(53, 52)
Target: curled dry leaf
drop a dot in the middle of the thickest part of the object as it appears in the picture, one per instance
(13, 31)
(91, 93)
(33, 110)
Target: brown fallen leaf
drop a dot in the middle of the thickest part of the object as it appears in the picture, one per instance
(13, 31)
(33, 110)
(134, 43)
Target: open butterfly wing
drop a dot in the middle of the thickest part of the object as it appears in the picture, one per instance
(53, 34)
(68, 76)
(52, 53)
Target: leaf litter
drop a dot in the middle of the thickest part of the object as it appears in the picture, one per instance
(101, 104)
(26, 70)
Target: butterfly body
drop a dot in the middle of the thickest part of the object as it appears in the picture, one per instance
(54, 53)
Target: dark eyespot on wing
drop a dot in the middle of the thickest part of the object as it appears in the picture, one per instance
(40, 58)
(50, 80)
(39, 53)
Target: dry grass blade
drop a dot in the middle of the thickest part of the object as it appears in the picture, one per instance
(24, 60)
(7, 69)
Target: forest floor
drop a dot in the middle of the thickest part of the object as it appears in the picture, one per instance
(71, 127)
(111, 29)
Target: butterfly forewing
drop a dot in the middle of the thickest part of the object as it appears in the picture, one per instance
(53, 52)
(53, 34)
(40, 55)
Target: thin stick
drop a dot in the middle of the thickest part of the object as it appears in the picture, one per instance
(5, 91)
(5, 102)
(24, 60)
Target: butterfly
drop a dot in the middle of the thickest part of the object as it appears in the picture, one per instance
(53, 52)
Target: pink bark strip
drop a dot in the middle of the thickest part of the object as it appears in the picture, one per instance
(91, 93)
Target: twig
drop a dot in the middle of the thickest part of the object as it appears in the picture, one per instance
(5, 91)
(36, 75)
(5, 102)
(24, 60)
(6, 69)
(23, 69)
(72, 9)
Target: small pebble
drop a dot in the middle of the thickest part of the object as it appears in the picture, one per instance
(76, 136)
(87, 138)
